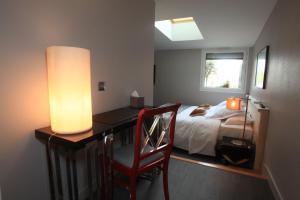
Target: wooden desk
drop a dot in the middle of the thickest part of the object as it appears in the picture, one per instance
(75, 141)
(103, 124)
(122, 119)
(67, 146)
(117, 117)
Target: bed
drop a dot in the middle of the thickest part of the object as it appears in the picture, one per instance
(199, 134)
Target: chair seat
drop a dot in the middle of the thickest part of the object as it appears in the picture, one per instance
(125, 155)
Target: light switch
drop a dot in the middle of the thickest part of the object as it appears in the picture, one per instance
(101, 86)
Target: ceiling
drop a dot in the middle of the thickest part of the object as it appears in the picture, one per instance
(223, 23)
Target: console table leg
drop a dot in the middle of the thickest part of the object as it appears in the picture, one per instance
(69, 178)
(89, 172)
(75, 182)
(97, 169)
(50, 172)
(109, 170)
(58, 173)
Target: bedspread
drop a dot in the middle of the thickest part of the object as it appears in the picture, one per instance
(196, 134)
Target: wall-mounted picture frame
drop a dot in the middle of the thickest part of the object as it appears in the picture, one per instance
(262, 62)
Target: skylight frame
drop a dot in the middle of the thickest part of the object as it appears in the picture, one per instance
(180, 29)
(182, 20)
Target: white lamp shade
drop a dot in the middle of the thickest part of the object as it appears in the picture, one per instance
(69, 83)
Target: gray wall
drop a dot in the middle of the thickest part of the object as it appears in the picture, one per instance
(282, 95)
(120, 36)
(178, 78)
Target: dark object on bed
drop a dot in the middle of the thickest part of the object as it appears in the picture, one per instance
(200, 110)
(205, 106)
(137, 102)
(238, 155)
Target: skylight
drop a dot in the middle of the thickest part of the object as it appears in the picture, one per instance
(180, 29)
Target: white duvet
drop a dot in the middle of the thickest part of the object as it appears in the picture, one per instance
(196, 134)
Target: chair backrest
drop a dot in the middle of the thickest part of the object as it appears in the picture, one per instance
(157, 138)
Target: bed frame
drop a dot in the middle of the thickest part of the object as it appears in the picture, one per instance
(260, 115)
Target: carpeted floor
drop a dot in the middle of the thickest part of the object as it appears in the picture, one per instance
(189, 181)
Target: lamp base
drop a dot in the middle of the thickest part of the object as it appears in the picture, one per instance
(73, 132)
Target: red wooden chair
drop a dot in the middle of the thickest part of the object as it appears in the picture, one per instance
(151, 149)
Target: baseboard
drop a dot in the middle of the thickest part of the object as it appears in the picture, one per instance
(273, 185)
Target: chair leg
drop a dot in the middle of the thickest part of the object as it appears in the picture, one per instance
(165, 180)
(132, 188)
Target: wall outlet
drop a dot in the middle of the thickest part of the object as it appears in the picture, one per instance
(101, 86)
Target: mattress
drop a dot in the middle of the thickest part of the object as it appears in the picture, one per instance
(196, 134)
(235, 131)
(199, 134)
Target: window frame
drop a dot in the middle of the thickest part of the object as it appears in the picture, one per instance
(243, 78)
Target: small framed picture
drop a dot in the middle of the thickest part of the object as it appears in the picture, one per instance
(262, 62)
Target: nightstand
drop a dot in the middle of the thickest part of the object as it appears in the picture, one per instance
(238, 155)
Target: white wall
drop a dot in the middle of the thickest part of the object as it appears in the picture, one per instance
(282, 95)
(178, 79)
(120, 36)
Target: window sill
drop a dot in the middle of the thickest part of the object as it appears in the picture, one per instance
(221, 90)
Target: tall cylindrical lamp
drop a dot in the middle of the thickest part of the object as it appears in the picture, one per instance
(69, 83)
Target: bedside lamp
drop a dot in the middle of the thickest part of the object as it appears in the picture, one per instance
(235, 104)
(69, 83)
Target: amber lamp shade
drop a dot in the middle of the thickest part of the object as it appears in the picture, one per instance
(69, 84)
(233, 103)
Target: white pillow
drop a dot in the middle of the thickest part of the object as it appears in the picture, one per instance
(221, 112)
(238, 120)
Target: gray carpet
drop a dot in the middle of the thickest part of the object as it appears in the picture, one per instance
(195, 182)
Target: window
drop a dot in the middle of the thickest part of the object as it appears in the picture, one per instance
(180, 29)
(223, 71)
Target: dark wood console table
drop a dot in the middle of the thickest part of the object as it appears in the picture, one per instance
(104, 124)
